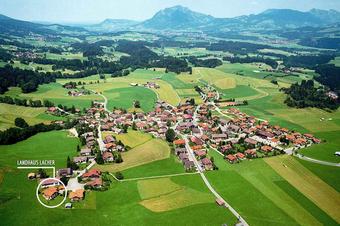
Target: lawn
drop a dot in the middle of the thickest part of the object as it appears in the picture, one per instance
(147, 152)
(124, 98)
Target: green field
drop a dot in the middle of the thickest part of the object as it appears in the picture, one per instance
(117, 206)
(55, 93)
(167, 166)
(251, 181)
(152, 150)
(124, 98)
(8, 113)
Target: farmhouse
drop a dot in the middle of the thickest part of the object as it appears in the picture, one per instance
(107, 156)
(207, 164)
(50, 182)
(80, 159)
(231, 158)
(85, 152)
(92, 173)
(66, 172)
(96, 183)
(76, 195)
(50, 193)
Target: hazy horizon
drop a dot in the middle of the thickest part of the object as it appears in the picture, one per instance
(89, 11)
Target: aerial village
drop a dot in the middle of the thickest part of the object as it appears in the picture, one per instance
(198, 129)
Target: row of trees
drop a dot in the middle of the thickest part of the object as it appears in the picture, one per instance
(14, 135)
(25, 102)
(248, 59)
(211, 63)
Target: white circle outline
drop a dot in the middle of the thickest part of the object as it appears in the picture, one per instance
(47, 206)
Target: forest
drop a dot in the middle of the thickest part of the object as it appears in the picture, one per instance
(307, 95)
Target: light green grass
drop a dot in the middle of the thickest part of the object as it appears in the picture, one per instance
(124, 98)
(8, 113)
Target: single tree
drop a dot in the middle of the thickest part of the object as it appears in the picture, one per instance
(170, 135)
(20, 122)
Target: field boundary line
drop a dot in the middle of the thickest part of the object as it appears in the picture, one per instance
(152, 177)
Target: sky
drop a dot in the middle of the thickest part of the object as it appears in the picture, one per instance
(92, 11)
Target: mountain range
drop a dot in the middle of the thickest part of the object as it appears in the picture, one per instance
(183, 19)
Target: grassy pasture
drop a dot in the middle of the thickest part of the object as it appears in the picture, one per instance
(8, 113)
(19, 206)
(55, 93)
(162, 167)
(175, 199)
(336, 61)
(134, 138)
(124, 98)
(166, 92)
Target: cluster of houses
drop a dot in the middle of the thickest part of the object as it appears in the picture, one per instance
(86, 153)
(151, 85)
(51, 188)
(92, 179)
(246, 137)
(77, 93)
(25, 55)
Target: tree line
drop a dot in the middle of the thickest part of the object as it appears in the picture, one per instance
(14, 135)
(27, 80)
(248, 59)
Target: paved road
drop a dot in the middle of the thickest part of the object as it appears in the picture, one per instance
(105, 99)
(100, 139)
(207, 183)
(87, 168)
(317, 161)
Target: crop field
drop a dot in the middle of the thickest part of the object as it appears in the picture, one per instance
(319, 192)
(125, 97)
(147, 152)
(256, 180)
(328, 174)
(32, 116)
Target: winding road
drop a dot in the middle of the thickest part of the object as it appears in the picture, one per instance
(317, 161)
